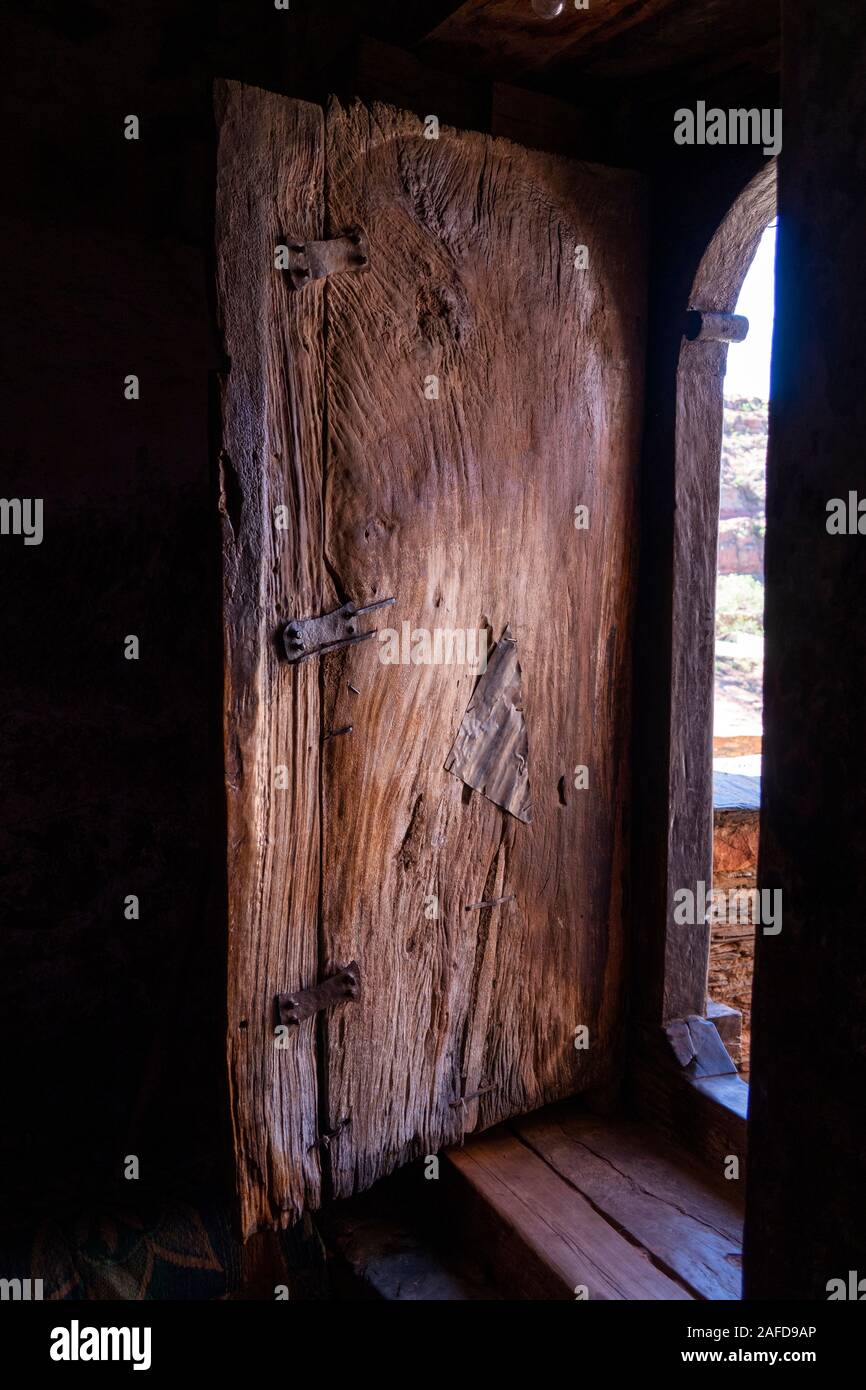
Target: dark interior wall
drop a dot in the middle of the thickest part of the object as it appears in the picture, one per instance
(807, 1140)
(111, 769)
(107, 775)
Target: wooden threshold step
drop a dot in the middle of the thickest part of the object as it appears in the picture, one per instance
(687, 1219)
(541, 1237)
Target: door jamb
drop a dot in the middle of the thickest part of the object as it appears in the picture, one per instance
(700, 386)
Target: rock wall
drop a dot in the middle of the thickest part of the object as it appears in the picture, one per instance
(732, 944)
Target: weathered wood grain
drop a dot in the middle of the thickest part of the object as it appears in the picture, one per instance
(545, 1233)
(270, 186)
(705, 1115)
(462, 508)
(692, 1226)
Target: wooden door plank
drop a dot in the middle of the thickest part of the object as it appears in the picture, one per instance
(462, 508)
(692, 1226)
(544, 1221)
(270, 177)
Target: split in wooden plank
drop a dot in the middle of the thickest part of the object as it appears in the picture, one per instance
(462, 506)
(690, 1223)
(270, 183)
(553, 1242)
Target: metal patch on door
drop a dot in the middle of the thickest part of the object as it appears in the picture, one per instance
(491, 750)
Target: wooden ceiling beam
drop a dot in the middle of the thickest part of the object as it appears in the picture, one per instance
(660, 41)
(507, 39)
(687, 33)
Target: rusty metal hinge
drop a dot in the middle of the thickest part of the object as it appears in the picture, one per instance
(303, 637)
(303, 1003)
(339, 255)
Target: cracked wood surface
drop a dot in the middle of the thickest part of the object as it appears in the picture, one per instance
(270, 185)
(542, 1236)
(463, 507)
(690, 1222)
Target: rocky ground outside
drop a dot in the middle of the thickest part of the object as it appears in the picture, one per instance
(739, 686)
(740, 582)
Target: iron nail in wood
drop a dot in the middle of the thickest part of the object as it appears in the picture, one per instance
(473, 1095)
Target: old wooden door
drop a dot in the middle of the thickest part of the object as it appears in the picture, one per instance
(427, 426)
